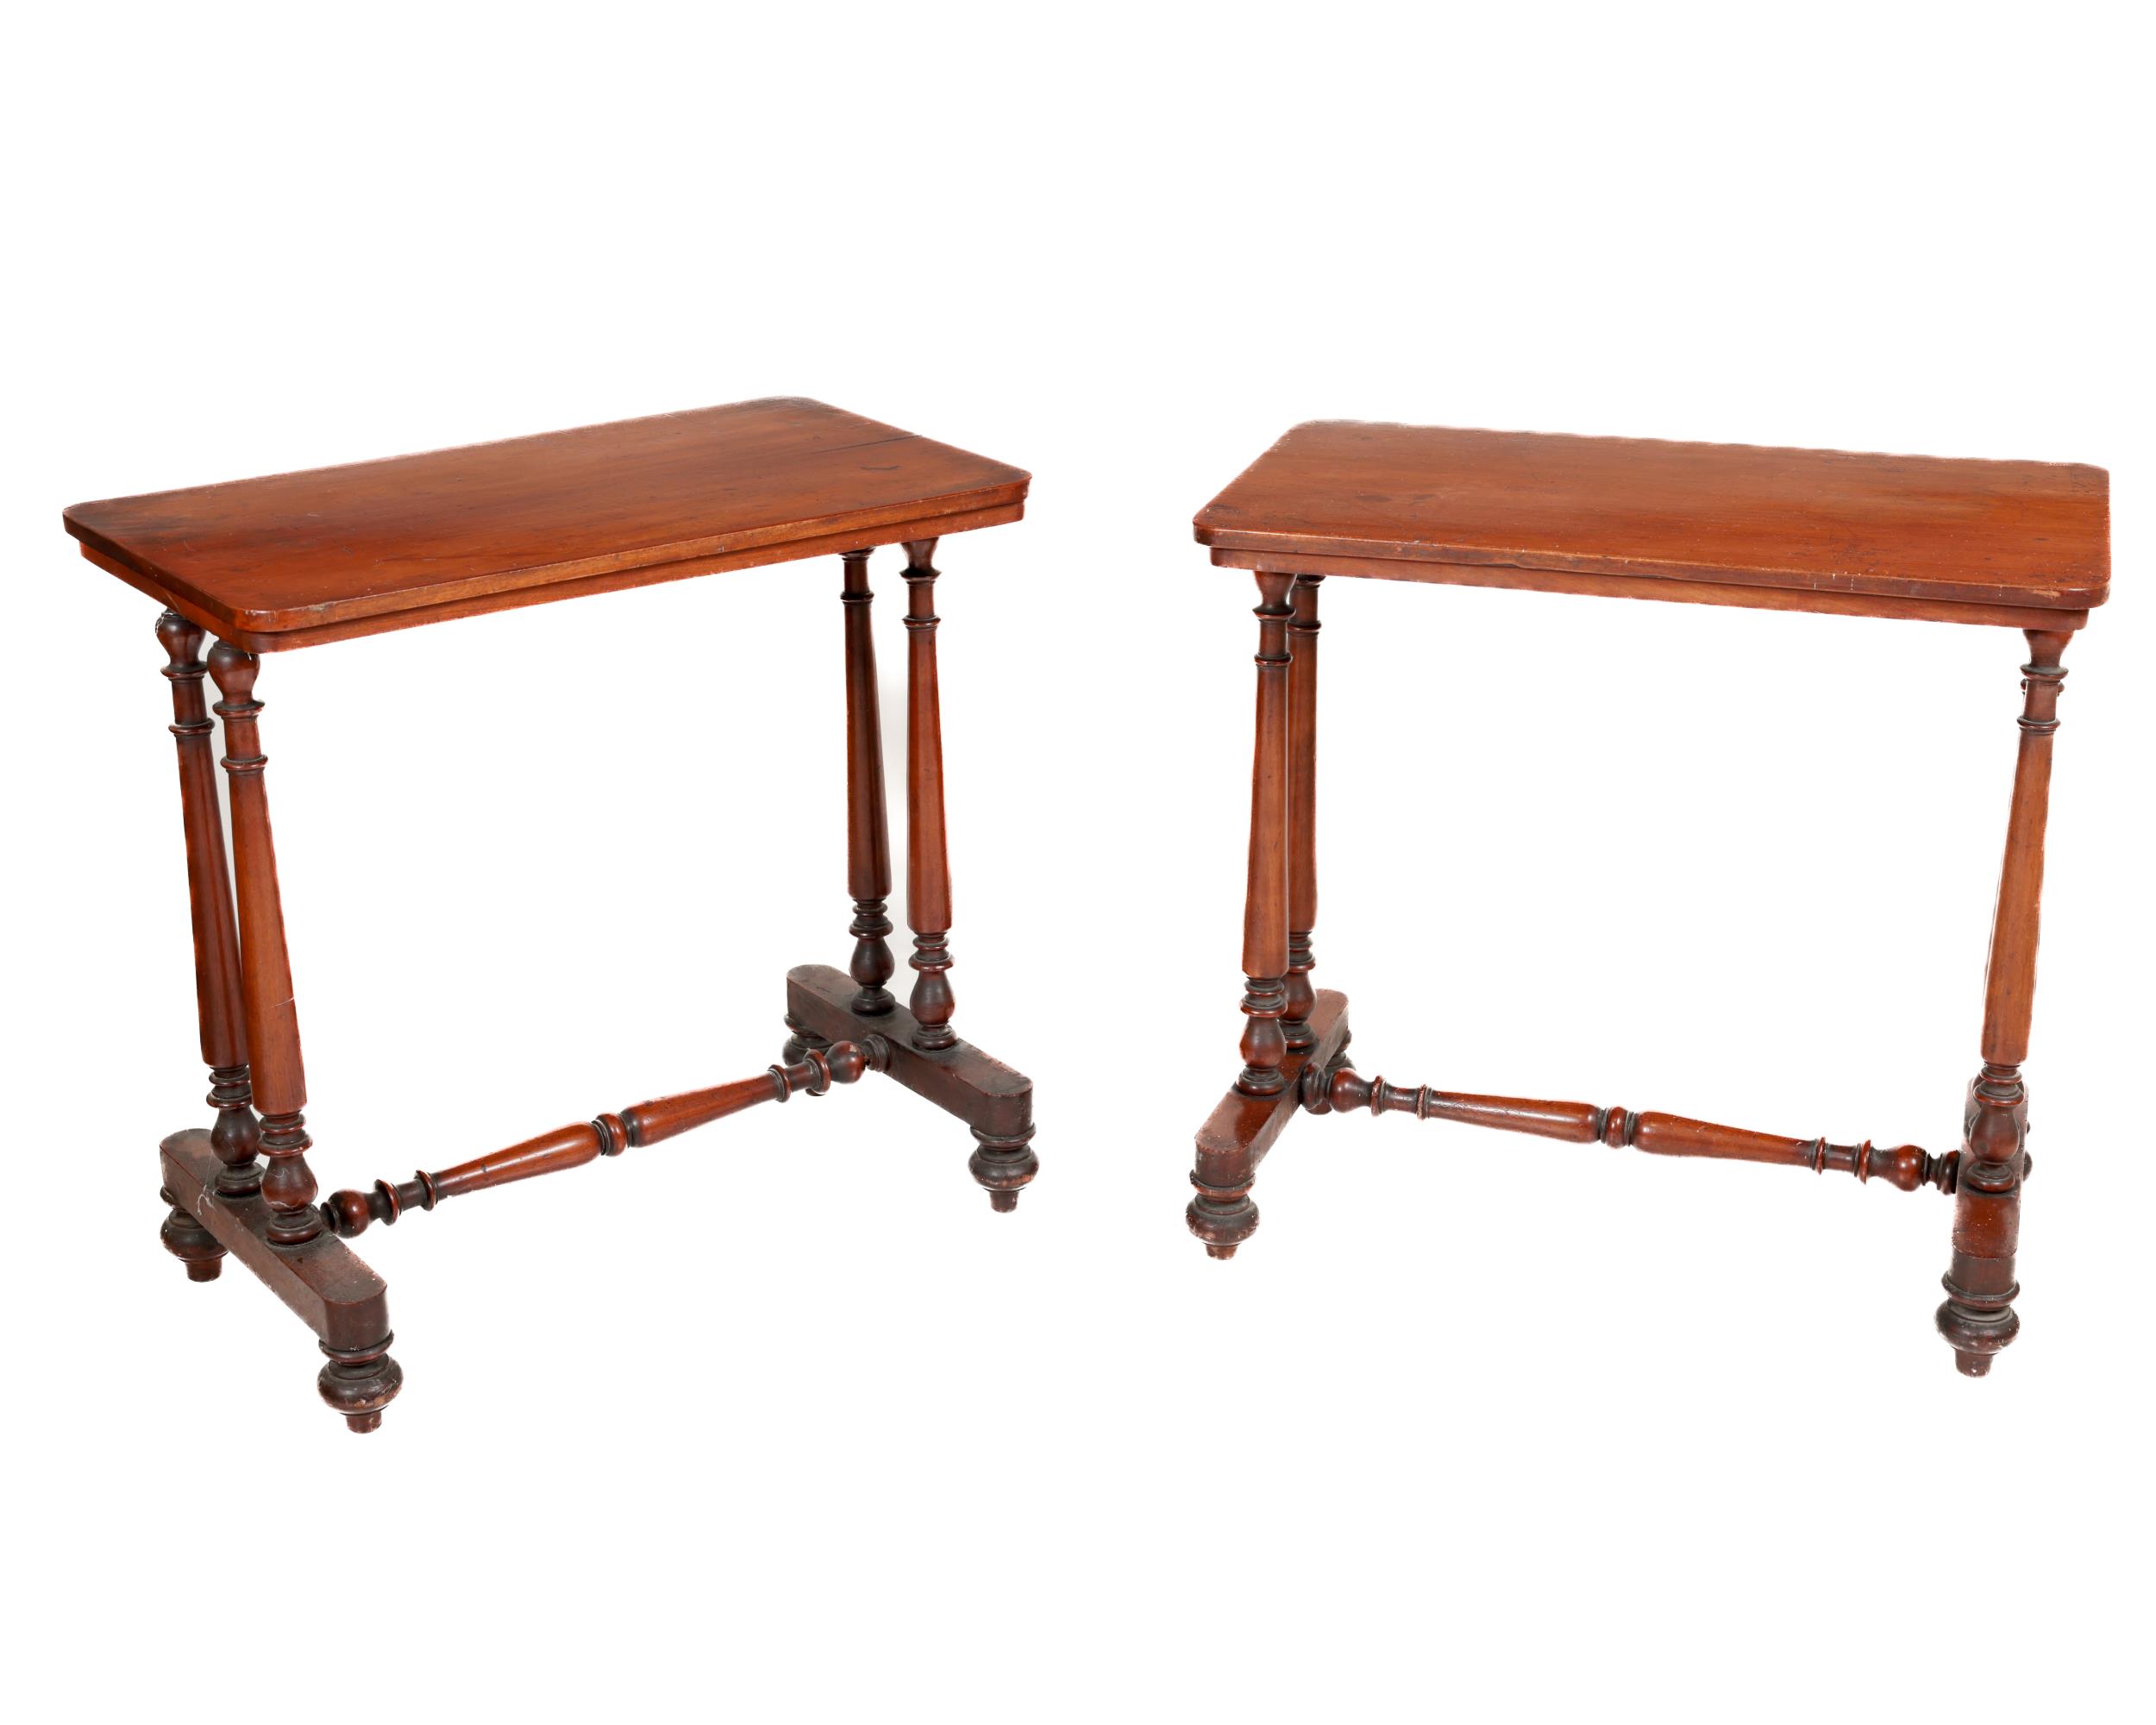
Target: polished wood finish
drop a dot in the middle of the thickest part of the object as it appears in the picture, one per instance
(351, 1212)
(282, 560)
(343, 1302)
(1243, 1127)
(273, 564)
(235, 1135)
(1978, 1317)
(1302, 804)
(868, 824)
(1914, 531)
(990, 1097)
(927, 850)
(1654, 587)
(1265, 889)
(265, 976)
(2001, 543)
(1343, 1090)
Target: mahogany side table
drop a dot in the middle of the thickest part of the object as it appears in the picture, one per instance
(270, 564)
(2022, 545)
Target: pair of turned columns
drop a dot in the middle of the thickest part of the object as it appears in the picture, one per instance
(250, 1022)
(1280, 907)
(298, 559)
(244, 1005)
(867, 821)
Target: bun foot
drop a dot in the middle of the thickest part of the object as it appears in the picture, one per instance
(1223, 1217)
(799, 1042)
(359, 1383)
(1005, 1164)
(190, 1242)
(1977, 1334)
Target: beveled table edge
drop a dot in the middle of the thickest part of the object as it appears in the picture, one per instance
(2071, 595)
(1825, 601)
(256, 638)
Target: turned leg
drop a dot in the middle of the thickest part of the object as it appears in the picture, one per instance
(1222, 1215)
(271, 1020)
(868, 825)
(1302, 812)
(1978, 1317)
(223, 1033)
(927, 853)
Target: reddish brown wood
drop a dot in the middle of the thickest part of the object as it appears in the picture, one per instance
(2019, 543)
(1242, 1128)
(1302, 809)
(1978, 1317)
(927, 853)
(1343, 1090)
(1914, 531)
(1655, 587)
(290, 639)
(325, 1281)
(800, 1039)
(996, 1101)
(351, 1212)
(272, 1020)
(403, 541)
(235, 1133)
(311, 557)
(868, 823)
(193, 1244)
(1265, 896)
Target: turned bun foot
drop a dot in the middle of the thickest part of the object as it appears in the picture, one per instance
(1005, 1165)
(799, 1042)
(1222, 1217)
(359, 1383)
(1977, 1336)
(190, 1242)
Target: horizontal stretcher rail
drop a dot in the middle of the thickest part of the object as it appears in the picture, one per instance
(351, 1212)
(1342, 1090)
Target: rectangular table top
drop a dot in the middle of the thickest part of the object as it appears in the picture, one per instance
(313, 557)
(2026, 542)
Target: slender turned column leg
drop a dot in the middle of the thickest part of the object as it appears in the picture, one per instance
(1003, 1163)
(1977, 1318)
(1302, 812)
(1265, 900)
(1222, 1215)
(868, 825)
(224, 1031)
(359, 1381)
(927, 853)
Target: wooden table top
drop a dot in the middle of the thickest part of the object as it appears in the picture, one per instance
(298, 558)
(2020, 542)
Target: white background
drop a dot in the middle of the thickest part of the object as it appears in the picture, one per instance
(781, 1422)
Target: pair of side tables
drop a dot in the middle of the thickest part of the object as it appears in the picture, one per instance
(301, 559)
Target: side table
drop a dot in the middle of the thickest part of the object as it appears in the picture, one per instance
(2023, 545)
(267, 565)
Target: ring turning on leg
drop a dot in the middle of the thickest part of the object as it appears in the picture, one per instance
(1978, 1317)
(927, 851)
(868, 823)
